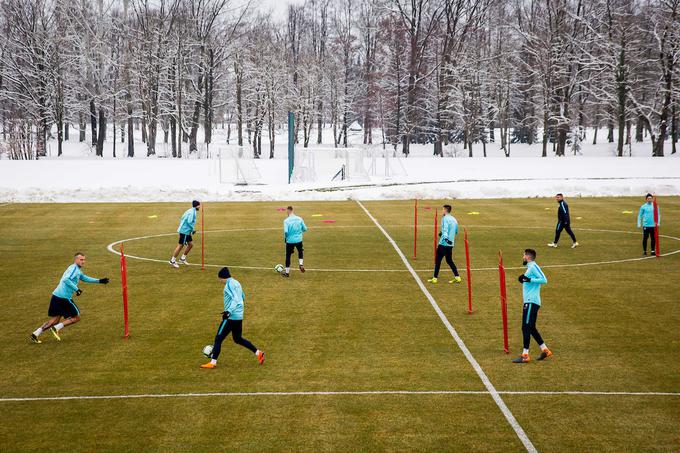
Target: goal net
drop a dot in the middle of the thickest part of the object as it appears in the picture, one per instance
(386, 163)
(237, 166)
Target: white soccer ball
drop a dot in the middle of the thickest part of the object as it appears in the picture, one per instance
(278, 268)
(207, 350)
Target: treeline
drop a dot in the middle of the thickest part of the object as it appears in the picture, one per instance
(412, 71)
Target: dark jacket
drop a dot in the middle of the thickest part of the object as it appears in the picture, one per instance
(563, 212)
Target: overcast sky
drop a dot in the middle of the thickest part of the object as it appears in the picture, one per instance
(278, 7)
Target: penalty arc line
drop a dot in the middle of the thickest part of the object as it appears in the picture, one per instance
(332, 393)
(459, 341)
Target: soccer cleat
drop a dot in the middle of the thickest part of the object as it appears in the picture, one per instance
(553, 245)
(644, 253)
(55, 332)
(433, 280)
(183, 261)
(173, 264)
(574, 245)
(545, 354)
(302, 268)
(653, 253)
(285, 275)
(34, 339)
(208, 366)
(260, 357)
(456, 280)
(524, 358)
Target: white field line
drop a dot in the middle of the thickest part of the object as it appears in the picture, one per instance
(459, 341)
(333, 393)
(111, 249)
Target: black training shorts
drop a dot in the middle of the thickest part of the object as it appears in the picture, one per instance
(63, 307)
(185, 239)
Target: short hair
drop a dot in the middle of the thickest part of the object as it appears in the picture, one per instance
(559, 195)
(531, 253)
(649, 195)
(195, 203)
(224, 273)
(78, 254)
(289, 208)
(447, 207)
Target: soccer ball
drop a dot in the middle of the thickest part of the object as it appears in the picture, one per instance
(278, 268)
(207, 351)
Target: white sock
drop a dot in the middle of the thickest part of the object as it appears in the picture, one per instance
(172, 259)
(59, 326)
(184, 257)
(288, 270)
(213, 361)
(301, 260)
(38, 331)
(525, 351)
(257, 352)
(543, 347)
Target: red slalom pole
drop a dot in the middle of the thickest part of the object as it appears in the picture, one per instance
(202, 237)
(504, 305)
(123, 279)
(469, 274)
(436, 215)
(656, 228)
(415, 228)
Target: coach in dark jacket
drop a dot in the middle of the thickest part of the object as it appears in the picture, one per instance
(563, 221)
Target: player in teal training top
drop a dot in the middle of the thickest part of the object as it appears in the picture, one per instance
(232, 319)
(646, 221)
(447, 238)
(531, 281)
(187, 227)
(293, 228)
(62, 304)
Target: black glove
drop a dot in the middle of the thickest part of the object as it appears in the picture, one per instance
(440, 234)
(523, 279)
(225, 315)
(448, 241)
(79, 292)
(104, 280)
(193, 232)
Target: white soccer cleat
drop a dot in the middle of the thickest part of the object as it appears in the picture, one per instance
(183, 261)
(553, 245)
(174, 264)
(574, 245)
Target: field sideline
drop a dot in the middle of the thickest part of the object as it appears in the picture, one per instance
(357, 358)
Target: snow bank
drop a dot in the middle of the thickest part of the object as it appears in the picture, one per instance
(127, 180)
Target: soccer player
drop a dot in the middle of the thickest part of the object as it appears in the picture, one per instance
(646, 221)
(186, 228)
(62, 304)
(232, 319)
(447, 236)
(293, 227)
(531, 281)
(563, 222)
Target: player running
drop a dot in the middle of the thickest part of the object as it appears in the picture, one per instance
(531, 281)
(232, 319)
(186, 228)
(563, 222)
(293, 228)
(646, 221)
(447, 236)
(62, 304)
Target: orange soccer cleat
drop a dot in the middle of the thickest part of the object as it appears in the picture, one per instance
(209, 366)
(524, 358)
(260, 357)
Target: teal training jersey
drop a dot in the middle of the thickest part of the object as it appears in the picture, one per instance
(69, 281)
(187, 223)
(233, 299)
(646, 215)
(449, 230)
(293, 227)
(531, 291)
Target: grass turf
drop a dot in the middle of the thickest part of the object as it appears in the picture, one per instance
(612, 327)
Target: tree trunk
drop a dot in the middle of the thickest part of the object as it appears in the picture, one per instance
(102, 132)
(93, 122)
(81, 127)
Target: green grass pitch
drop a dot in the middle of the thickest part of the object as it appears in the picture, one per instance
(613, 328)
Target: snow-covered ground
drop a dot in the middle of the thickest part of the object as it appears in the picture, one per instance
(79, 176)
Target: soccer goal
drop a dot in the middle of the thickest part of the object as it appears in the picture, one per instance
(304, 165)
(386, 163)
(237, 166)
